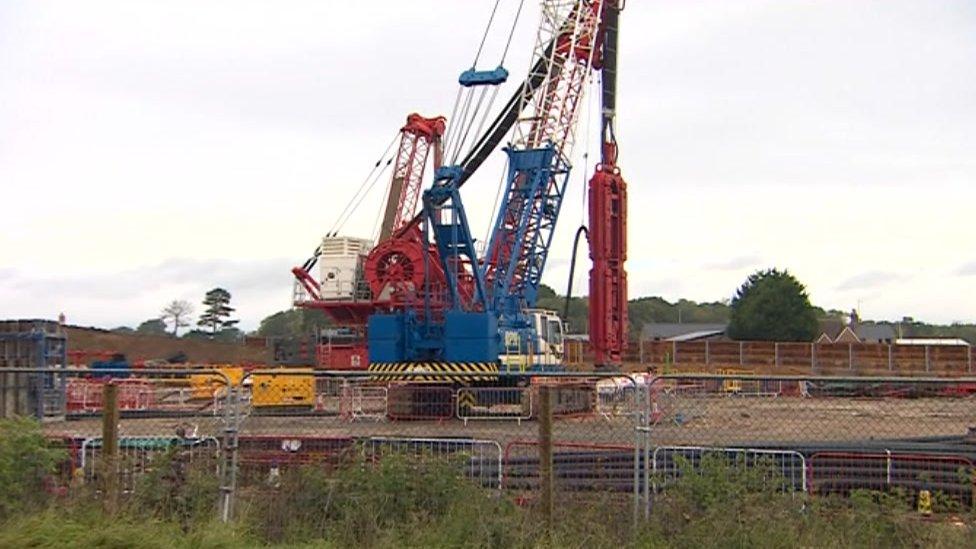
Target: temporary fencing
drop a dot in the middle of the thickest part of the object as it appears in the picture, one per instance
(479, 460)
(576, 466)
(358, 402)
(786, 470)
(697, 411)
(420, 403)
(160, 426)
(833, 472)
(626, 435)
(139, 456)
(498, 403)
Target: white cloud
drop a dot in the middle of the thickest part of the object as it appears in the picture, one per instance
(869, 280)
(829, 138)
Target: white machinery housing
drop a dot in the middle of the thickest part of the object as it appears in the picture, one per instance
(341, 275)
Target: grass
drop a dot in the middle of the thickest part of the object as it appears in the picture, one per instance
(411, 501)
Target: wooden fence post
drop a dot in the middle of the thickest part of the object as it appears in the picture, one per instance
(742, 358)
(110, 447)
(776, 354)
(969, 358)
(706, 352)
(891, 359)
(850, 356)
(927, 368)
(545, 457)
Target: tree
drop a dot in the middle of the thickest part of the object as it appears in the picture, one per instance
(178, 313)
(229, 335)
(197, 334)
(772, 305)
(153, 326)
(293, 323)
(122, 330)
(216, 315)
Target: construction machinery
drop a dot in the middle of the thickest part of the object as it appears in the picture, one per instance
(425, 293)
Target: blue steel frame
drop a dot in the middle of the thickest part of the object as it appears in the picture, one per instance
(49, 351)
(524, 229)
(452, 237)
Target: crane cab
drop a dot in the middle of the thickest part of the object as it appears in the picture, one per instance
(540, 347)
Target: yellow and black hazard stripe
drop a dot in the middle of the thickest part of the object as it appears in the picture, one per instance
(462, 372)
(467, 399)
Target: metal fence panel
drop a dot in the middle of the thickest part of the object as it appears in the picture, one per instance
(500, 403)
(481, 459)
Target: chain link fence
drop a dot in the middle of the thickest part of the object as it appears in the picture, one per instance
(532, 437)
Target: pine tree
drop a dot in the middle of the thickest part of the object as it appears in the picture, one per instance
(217, 310)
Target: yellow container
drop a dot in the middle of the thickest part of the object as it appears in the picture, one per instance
(211, 385)
(733, 386)
(284, 387)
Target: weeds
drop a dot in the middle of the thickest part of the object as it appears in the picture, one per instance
(26, 464)
(408, 500)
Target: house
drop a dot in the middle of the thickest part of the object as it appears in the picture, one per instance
(667, 331)
(836, 331)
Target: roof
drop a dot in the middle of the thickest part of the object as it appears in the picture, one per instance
(931, 341)
(697, 335)
(874, 332)
(831, 327)
(680, 332)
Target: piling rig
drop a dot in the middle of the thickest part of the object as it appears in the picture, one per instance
(424, 296)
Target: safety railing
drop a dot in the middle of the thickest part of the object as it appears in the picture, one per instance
(364, 402)
(576, 466)
(494, 403)
(479, 460)
(841, 472)
(139, 456)
(420, 403)
(667, 463)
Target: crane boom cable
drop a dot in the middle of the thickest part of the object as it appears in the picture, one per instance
(450, 121)
(484, 117)
(511, 33)
(458, 123)
(363, 195)
(336, 226)
(484, 36)
(468, 124)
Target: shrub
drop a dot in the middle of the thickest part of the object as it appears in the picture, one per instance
(27, 462)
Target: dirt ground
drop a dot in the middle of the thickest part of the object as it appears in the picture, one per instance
(684, 420)
(147, 347)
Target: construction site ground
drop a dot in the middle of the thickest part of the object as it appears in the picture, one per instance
(701, 420)
(139, 347)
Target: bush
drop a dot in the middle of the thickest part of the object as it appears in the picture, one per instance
(175, 488)
(27, 462)
(421, 501)
(723, 504)
(399, 496)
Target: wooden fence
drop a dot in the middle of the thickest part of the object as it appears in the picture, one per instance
(794, 358)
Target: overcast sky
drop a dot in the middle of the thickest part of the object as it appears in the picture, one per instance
(152, 150)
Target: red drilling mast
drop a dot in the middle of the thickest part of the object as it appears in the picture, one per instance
(608, 219)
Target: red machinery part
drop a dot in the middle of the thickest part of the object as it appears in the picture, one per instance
(395, 269)
(608, 278)
(417, 138)
(342, 357)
